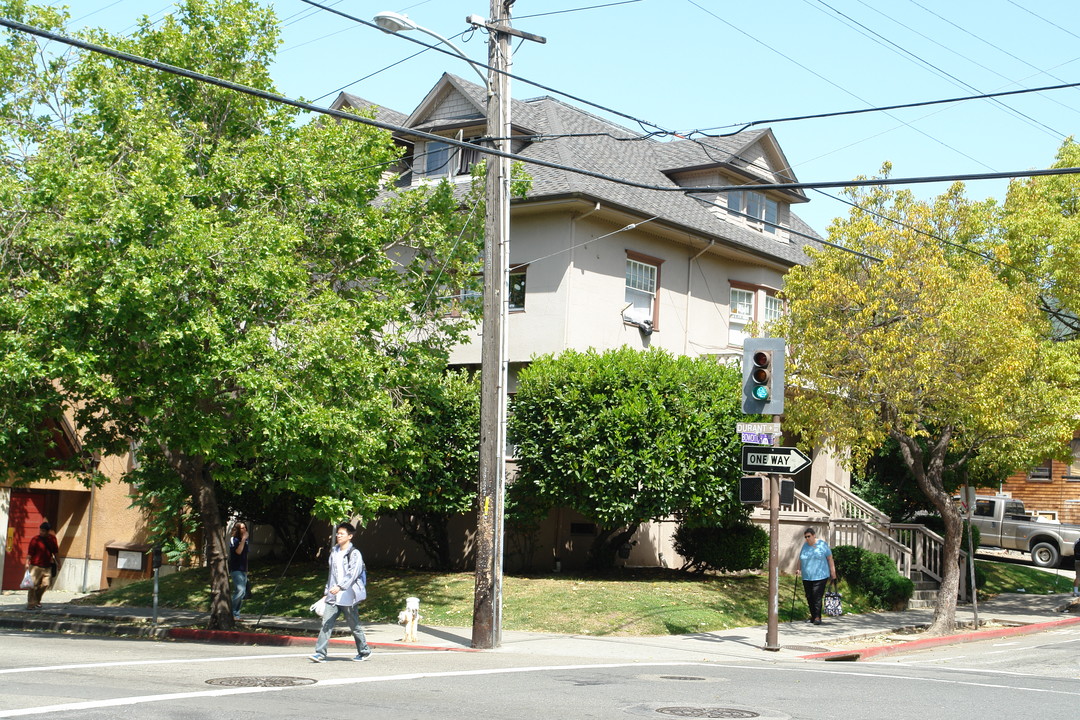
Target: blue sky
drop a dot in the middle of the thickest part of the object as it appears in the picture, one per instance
(694, 64)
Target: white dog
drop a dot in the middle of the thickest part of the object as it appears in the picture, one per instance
(409, 617)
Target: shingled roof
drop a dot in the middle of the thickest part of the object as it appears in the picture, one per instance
(569, 136)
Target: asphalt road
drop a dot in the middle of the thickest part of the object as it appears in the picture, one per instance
(90, 678)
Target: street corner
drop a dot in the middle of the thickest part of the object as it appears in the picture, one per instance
(884, 644)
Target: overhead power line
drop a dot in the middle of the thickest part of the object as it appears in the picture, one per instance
(308, 107)
(882, 108)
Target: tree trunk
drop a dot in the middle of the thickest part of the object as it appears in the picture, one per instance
(197, 480)
(606, 545)
(928, 472)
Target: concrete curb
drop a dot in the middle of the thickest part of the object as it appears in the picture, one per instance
(938, 641)
(234, 637)
(239, 637)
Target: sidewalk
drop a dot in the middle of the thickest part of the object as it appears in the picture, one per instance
(850, 637)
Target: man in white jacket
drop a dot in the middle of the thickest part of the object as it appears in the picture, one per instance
(344, 591)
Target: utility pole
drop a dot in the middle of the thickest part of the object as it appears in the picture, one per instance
(487, 599)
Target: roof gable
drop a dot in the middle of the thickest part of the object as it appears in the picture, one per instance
(450, 102)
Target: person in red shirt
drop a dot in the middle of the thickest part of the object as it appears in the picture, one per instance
(39, 559)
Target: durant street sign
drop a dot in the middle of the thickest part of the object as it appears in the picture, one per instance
(778, 460)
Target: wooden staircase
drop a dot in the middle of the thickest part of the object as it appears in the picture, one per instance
(916, 550)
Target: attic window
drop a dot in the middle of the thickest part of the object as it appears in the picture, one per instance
(436, 158)
(758, 211)
(446, 160)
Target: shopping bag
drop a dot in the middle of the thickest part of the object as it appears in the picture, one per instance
(27, 581)
(834, 602)
(319, 607)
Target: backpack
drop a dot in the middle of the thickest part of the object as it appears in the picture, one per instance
(362, 579)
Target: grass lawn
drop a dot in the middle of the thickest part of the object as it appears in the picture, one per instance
(630, 602)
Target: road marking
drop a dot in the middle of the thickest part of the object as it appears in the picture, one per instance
(138, 700)
(125, 663)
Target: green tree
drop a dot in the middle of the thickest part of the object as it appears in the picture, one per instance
(242, 297)
(1042, 239)
(444, 481)
(925, 347)
(624, 437)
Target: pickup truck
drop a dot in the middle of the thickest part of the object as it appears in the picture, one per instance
(1003, 523)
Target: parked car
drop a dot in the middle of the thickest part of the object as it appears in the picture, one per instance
(1004, 523)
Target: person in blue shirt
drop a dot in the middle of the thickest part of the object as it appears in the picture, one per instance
(817, 566)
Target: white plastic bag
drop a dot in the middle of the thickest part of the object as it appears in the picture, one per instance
(319, 607)
(27, 581)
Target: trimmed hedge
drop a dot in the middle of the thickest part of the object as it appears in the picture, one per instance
(739, 547)
(875, 575)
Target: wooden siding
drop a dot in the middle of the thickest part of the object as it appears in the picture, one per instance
(1060, 493)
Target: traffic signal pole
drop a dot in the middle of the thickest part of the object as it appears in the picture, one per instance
(772, 629)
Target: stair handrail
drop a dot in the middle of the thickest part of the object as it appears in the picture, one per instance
(804, 503)
(845, 504)
(875, 539)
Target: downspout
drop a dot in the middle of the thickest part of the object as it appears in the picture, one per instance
(570, 267)
(689, 280)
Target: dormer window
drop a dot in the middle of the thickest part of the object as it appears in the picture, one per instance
(446, 160)
(436, 159)
(756, 209)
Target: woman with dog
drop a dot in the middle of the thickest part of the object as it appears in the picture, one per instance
(344, 591)
(817, 567)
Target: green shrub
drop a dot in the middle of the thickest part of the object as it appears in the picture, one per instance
(875, 575)
(738, 547)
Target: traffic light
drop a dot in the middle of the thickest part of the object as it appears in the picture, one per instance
(763, 376)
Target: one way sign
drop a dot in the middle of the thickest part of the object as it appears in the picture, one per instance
(778, 460)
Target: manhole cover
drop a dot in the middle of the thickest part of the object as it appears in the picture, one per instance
(680, 677)
(706, 712)
(261, 681)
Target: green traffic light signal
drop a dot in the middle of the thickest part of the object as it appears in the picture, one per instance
(763, 376)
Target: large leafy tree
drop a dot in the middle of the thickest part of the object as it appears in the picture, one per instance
(239, 295)
(1042, 239)
(624, 437)
(927, 347)
(446, 414)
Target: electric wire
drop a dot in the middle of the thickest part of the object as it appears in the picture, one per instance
(1000, 49)
(878, 37)
(880, 108)
(1045, 20)
(843, 89)
(563, 12)
(351, 117)
(477, 63)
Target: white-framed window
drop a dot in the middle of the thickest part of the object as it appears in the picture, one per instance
(742, 305)
(774, 308)
(642, 286)
(756, 209)
(1042, 473)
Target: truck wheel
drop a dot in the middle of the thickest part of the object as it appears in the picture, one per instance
(1045, 555)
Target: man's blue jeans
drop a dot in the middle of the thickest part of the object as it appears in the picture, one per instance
(239, 585)
(352, 617)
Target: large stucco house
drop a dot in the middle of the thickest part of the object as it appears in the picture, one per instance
(597, 264)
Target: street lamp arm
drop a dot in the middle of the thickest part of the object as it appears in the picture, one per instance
(392, 22)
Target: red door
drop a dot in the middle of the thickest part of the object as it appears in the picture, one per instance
(29, 509)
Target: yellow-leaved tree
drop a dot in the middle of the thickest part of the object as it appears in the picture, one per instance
(912, 337)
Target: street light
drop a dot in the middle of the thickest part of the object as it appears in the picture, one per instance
(392, 22)
(487, 599)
